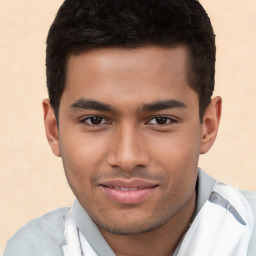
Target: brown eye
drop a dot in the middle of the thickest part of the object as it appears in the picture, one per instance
(94, 120)
(162, 120)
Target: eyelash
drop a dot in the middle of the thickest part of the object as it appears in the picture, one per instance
(84, 120)
(169, 120)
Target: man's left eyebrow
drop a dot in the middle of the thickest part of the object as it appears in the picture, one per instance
(162, 105)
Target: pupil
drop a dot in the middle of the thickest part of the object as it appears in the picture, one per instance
(161, 120)
(96, 120)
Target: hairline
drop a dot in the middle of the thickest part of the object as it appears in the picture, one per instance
(190, 73)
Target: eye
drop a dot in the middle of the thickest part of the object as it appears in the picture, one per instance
(161, 120)
(94, 120)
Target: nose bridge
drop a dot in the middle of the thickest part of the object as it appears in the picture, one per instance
(127, 150)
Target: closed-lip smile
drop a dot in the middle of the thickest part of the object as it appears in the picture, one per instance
(128, 191)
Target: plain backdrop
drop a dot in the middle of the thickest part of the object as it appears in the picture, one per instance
(32, 180)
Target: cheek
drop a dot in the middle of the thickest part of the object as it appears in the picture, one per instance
(82, 149)
(83, 156)
(177, 156)
(175, 149)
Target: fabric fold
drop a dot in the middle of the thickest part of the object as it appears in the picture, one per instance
(223, 226)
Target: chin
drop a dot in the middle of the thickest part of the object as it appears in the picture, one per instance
(132, 227)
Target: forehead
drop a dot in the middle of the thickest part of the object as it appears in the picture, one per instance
(142, 74)
(125, 59)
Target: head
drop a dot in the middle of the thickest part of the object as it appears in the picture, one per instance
(83, 25)
(130, 85)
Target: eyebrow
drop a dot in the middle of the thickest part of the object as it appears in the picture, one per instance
(88, 104)
(162, 105)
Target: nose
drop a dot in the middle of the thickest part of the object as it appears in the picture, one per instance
(127, 149)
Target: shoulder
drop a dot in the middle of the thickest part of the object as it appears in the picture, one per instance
(42, 236)
(251, 198)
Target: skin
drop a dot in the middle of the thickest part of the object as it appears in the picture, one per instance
(149, 132)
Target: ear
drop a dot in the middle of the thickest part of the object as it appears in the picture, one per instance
(51, 127)
(210, 124)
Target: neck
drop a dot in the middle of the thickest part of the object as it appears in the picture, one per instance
(161, 241)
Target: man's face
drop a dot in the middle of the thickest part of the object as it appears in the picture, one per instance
(130, 135)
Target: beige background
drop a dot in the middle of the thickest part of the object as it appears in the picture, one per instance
(31, 178)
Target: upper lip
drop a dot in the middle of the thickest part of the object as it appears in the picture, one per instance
(134, 183)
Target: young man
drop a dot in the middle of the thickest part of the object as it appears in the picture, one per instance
(130, 111)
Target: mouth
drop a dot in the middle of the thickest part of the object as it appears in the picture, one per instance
(128, 192)
(124, 189)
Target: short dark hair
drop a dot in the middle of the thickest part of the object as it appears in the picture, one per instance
(82, 25)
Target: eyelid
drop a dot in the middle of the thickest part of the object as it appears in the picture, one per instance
(172, 120)
(85, 118)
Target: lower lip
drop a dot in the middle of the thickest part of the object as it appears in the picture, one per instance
(129, 197)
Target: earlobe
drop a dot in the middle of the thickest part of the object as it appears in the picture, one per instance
(51, 128)
(210, 124)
